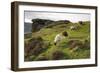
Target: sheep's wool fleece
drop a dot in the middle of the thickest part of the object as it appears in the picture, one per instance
(58, 38)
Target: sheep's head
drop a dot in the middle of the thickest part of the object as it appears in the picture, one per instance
(65, 33)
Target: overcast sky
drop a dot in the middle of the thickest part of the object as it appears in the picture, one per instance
(73, 17)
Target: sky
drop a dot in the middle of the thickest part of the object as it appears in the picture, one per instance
(73, 17)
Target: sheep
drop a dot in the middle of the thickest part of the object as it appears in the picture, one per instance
(60, 36)
(74, 27)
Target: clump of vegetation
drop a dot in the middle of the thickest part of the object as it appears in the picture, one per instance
(57, 55)
(86, 44)
(30, 58)
(35, 47)
(27, 35)
(41, 58)
(75, 43)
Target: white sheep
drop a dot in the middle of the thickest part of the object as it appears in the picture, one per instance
(72, 27)
(60, 36)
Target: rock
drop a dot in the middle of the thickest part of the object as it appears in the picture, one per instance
(40, 23)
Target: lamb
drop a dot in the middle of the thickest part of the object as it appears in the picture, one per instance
(60, 36)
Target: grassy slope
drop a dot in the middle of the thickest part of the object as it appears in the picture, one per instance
(48, 34)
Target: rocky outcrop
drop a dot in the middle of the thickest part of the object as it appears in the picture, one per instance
(40, 23)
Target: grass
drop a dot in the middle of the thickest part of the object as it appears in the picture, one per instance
(48, 34)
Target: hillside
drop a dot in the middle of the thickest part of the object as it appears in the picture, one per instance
(40, 45)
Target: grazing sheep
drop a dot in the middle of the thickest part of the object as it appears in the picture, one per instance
(60, 36)
(74, 27)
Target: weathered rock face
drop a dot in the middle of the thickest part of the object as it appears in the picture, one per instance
(40, 23)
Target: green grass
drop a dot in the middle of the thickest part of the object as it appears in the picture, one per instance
(48, 34)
